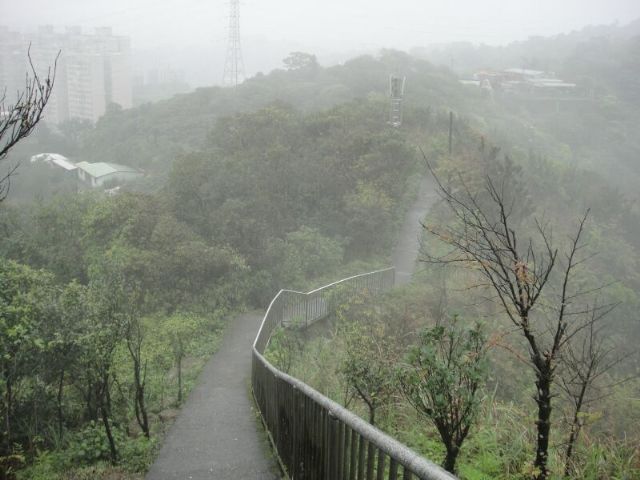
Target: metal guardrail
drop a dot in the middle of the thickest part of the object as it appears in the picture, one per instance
(316, 438)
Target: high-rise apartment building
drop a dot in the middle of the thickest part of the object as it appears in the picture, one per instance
(12, 63)
(94, 70)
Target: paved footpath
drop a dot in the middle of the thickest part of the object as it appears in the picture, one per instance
(406, 251)
(217, 435)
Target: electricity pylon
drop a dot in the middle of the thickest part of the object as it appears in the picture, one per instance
(233, 65)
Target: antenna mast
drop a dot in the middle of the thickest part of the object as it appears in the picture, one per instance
(396, 92)
(234, 66)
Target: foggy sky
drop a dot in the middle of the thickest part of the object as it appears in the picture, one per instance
(320, 26)
(328, 23)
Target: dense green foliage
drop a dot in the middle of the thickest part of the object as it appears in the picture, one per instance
(67, 369)
(595, 128)
(141, 282)
(152, 136)
(442, 379)
(553, 178)
(369, 353)
(501, 440)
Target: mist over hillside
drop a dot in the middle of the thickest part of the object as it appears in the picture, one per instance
(143, 238)
(539, 52)
(591, 128)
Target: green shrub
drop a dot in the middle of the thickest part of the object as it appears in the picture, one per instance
(90, 445)
(86, 457)
(136, 454)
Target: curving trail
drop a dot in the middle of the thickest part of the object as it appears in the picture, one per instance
(217, 435)
(406, 251)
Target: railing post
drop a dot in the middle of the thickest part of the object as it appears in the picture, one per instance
(380, 472)
(345, 455)
(393, 469)
(296, 430)
(319, 461)
(361, 453)
(353, 469)
(332, 438)
(324, 415)
(340, 457)
(371, 453)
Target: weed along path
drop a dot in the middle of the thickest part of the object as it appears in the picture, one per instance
(217, 435)
(406, 251)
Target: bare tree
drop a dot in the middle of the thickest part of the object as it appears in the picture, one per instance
(483, 236)
(585, 361)
(18, 119)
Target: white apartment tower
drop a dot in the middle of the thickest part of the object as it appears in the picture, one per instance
(94, 70)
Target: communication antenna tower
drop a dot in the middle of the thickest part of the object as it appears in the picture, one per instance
(396, 92)
(233, 65)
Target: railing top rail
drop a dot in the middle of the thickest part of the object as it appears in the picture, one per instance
(404, 455)
(264, 319)
(351, 278)
(266, 315)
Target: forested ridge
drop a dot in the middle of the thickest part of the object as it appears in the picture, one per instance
(444, 349)
(598, 131)
(110, 304)
(273, 198)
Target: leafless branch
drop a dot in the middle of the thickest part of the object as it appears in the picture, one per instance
(18, 120)
(482, 236)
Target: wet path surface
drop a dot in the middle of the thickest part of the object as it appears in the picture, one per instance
(406, 252)
(217, 435)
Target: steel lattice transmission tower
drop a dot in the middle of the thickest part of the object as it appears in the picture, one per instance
(234, 65)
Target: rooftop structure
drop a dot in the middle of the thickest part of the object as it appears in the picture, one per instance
(520, 80)
(98, 174)
(551, 83)
(55, 159)
(525, 72)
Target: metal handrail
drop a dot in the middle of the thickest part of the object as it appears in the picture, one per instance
(313, 436)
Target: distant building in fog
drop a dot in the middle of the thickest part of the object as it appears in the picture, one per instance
(12, 61)
(157, 84)
(523, 81)
(101, 173)
(55, 159)
(92, 175)
(94, 70)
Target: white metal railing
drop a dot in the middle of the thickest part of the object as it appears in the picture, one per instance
(314, 437)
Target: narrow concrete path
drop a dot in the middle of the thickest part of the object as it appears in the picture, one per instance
(405, 254)
(216, 435)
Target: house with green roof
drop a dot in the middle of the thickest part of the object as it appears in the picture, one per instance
(101, 173)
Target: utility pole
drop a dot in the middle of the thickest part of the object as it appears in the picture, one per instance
(450, 133)
(234, 65)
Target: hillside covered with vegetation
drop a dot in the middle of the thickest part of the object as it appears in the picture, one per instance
(111, 304)
(140, 284)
